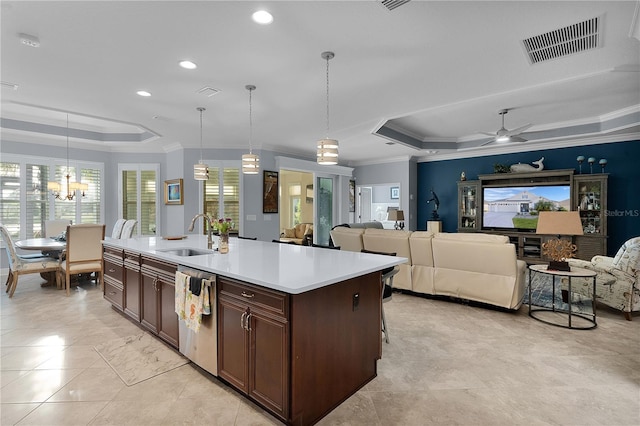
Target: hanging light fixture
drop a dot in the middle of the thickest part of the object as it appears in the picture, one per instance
(327, 149)
(250, 161)
(200, 170)
(72, 187)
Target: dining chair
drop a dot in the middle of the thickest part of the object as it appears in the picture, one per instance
(83, 253)
(55, 227)
(127, 229)
(117, 228)
(387, 288)
(22, 265)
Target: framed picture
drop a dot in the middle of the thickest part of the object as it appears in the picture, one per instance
(173, 192)
(352, 196)
(395, 192)
(270, 192)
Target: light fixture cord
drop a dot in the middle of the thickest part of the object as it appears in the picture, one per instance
(201, 109)
(327, 97)
(250, 123)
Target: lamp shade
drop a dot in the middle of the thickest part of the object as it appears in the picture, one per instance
(54, 186)
(200, 171)
(327, 153)
(559, 223)
(400, 215)
(250, 164)
(393, 214)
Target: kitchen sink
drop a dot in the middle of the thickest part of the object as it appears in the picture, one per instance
(187, 252)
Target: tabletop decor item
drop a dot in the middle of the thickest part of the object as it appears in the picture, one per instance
(580, 160)
(223, 226)
(603, 163)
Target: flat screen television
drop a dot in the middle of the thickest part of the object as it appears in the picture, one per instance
(516, 207)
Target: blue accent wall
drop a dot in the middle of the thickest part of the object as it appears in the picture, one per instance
(623, 190)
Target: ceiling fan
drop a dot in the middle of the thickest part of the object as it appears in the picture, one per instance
(503, 135)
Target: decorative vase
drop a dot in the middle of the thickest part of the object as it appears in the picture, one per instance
(223, 247)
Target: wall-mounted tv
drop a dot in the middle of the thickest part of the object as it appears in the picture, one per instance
(516, 207)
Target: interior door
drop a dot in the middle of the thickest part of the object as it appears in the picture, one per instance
(364, 204)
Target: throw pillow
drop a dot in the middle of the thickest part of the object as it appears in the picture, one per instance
(289, 232)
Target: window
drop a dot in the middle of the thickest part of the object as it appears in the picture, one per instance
(26, 202)
(221, 193)
(139, 196)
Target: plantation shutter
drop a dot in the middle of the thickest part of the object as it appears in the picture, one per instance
(37, 203)
(90, 203)
(147, 223)
(231, 194)
(10, 206)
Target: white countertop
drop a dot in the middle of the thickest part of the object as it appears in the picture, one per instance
(289, 268)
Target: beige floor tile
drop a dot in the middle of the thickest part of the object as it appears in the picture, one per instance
(63, 413)
(37, 385)
(135, 413)
(11, 414)
(101, 384)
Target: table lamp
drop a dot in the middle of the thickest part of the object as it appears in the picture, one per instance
(398, 216)
(559, 223)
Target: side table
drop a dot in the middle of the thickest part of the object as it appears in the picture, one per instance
(571, 315)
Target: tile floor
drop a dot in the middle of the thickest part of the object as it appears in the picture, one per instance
(447, 364)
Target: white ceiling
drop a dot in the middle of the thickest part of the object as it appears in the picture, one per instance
(435, 72)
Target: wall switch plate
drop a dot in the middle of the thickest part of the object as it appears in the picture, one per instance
(251, 217)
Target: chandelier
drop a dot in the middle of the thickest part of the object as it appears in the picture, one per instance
(200, 170)
(327, 149)
(72, 187)
(250, 161)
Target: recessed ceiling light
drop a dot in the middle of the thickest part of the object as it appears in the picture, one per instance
(262, 17)
(188, 65)
(143, 93)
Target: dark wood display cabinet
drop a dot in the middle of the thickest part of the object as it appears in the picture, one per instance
(469, 209)
(113, 265)
(253, 343)
(589, 197)
(157, 312)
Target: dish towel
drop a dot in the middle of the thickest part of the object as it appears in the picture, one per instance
(182, 282)
(197, 305)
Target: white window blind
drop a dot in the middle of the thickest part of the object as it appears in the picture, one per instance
(139, 196)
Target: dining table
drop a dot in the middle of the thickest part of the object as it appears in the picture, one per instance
(48, 247)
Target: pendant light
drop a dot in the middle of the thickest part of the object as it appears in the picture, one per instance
(327, 149)
(250, 161)
(72, 187)
(200, 170)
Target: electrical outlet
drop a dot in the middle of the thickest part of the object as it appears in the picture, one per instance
(356, 301)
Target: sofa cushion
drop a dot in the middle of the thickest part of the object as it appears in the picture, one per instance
(289, 232)
(392, 241)
(349, 239)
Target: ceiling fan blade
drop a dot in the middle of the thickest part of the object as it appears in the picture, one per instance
(517, 139)
(488, 142)
(519, 130)
(488, 134)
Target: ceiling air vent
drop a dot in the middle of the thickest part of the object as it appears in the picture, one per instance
(563, 41)
(392, 4)
(208, 91)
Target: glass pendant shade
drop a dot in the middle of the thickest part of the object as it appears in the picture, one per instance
(250, 164)
(200, 171)
(327, 153)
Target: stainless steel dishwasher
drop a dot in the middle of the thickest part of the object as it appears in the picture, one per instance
(201, 347)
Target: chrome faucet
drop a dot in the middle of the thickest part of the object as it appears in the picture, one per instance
(209, 220)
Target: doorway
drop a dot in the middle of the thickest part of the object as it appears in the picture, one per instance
(375, 201)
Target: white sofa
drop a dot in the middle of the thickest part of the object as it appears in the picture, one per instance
(471, 266)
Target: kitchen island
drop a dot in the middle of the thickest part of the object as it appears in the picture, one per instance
(298, 327)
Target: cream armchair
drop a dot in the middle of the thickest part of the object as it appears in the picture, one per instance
(617, 279)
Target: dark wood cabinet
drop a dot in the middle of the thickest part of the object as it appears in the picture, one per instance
(468, 208)
(589, 197)
(253, 345)
(113, 267)
(132, 284)
(157, 313)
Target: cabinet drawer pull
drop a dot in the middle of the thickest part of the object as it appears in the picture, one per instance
(112, 293)
(247, 295)
(112, 270)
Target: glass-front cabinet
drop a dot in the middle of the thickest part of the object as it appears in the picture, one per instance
(590, 199)
(468, 206)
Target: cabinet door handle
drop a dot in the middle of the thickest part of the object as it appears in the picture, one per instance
(247, 295)
(112, 293)
(248, 327)
(242, 320)
(155, 284)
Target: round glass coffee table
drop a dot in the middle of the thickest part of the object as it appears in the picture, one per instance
(557, 314)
